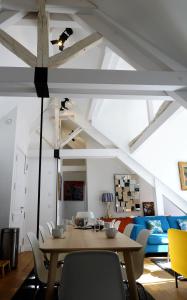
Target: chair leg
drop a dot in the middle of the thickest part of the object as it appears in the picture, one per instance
(176, 282)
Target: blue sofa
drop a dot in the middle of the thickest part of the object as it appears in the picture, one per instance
(157, 243)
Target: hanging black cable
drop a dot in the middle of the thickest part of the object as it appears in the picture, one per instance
(40, 165)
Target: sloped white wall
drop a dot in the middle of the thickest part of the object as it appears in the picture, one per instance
(121, 120)
(162, 151)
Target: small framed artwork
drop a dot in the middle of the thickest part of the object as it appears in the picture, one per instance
(73, 190)
(148, 208)
(183, 174)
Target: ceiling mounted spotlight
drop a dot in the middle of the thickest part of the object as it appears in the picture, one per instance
(63, 104)
(73, 140)
(62, 38)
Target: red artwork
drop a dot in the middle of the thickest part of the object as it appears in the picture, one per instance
(73, 190)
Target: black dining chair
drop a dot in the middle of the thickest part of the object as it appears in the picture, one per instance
(91, 275)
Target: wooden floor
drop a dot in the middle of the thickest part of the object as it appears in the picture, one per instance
(159, 283)
(13, 280)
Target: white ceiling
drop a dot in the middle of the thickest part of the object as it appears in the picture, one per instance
(162, 22)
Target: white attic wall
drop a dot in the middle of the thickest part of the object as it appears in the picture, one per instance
(163, 23)
(162, 151)
(121, 120)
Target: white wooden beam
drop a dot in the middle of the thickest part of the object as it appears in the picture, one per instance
(180, 96)
(57, 20)
(91, 81)
(9, 17)
(19, 50)
(77, 49)
(165, 113)
(119, 41)
(43, 36)
(88, 153)
(80, 168)
(56, 6)
(93, 132)
(150, 110)
(71, 136)
(56, 122)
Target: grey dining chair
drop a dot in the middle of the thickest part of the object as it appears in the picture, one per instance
(91, 275)
(40, 270)
(138, 256)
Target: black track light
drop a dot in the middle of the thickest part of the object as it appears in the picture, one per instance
(62, 38)
(63, 104)
(73, 140)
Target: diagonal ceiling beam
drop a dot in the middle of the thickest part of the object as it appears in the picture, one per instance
(119, 41)
(56, 6)
(9, 17)
(77, 49)
(71, 136)
(164, 113)
(19, 50)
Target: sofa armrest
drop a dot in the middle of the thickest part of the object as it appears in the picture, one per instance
(136, 230)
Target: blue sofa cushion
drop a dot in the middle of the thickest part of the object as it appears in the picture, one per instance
(182, 224)
(142, 221)
(158, 239)
(173, 221)
(155, 226)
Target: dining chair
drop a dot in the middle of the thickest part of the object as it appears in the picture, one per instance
(49, 226)
(43, 233)
(177, 252)
(44, 236)
(128, 229)
(52, 224)
(91, 275)
(138, 256)
(116, 224)
(40, 270)
(127, 232)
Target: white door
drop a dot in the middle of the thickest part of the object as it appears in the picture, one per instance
(19, 196)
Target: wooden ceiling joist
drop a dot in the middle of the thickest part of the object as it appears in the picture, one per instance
(77, 49)
(112, 81)
(55, 6)
(164, 113)
(71, 136)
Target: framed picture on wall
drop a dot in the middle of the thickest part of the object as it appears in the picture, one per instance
(148, 208)
(183, 174)
(73, 190)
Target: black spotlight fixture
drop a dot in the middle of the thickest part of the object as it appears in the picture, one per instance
(62, 38)
(73, 140)
(63, 104)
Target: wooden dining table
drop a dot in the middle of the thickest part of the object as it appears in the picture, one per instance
(80, 239)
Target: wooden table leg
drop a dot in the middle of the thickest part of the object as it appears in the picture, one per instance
(130, 275)
(51, 276)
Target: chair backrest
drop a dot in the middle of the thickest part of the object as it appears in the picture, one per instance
(91, 275)
(116, 224)
(138, 256)
(43, 233)
(128, 229)
(52, 224)
(49, 226)
(39, 268)
(85, 214)
(177, 250)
